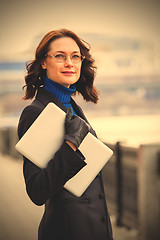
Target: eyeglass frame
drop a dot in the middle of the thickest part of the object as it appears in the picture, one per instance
(66, 55)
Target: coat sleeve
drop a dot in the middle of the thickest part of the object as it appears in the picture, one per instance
(41, 184)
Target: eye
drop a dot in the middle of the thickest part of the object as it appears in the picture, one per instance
(60, 56)
(76, 56)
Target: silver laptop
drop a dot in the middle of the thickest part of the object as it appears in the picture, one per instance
(40, 146)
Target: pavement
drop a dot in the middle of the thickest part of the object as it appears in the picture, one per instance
(19, 217)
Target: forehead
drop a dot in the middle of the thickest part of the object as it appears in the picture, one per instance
(65, 44)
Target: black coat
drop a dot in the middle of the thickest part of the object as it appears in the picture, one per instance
(66, 217)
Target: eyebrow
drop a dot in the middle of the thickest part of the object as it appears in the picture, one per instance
(77, 51)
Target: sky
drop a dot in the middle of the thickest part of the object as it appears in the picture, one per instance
(21, 21)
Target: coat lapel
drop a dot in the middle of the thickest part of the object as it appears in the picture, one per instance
(78, 110)
(80, 113)
(46, 97)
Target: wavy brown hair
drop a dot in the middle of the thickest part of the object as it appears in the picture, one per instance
(35, 73)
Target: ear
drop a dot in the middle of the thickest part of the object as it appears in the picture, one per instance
(43, 64)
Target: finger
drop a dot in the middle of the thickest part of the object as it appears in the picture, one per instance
(89, 127)
(69, 114)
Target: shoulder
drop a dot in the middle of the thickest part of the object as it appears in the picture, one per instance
(28, 116)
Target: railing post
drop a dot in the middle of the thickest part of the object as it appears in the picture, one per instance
(5, 140)
(149, 192)
(119, 183)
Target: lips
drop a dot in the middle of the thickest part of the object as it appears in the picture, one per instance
(68, 73)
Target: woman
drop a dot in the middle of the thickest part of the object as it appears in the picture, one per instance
(62, 67)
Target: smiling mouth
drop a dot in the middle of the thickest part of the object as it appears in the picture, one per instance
(68, 73)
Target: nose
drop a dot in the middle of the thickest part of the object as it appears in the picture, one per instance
(68, 61)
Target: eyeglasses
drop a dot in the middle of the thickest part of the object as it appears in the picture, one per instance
(61, 58)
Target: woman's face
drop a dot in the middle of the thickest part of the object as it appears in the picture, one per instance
(67, 72)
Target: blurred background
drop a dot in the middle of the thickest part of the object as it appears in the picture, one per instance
(125, 42)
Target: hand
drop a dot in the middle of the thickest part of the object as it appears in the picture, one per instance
(75, 128)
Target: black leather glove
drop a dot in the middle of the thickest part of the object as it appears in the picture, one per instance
(75, 128)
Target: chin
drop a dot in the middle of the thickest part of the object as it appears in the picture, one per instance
(69, 82)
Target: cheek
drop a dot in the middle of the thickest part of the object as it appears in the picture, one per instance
(51, 72)
(52, 69)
